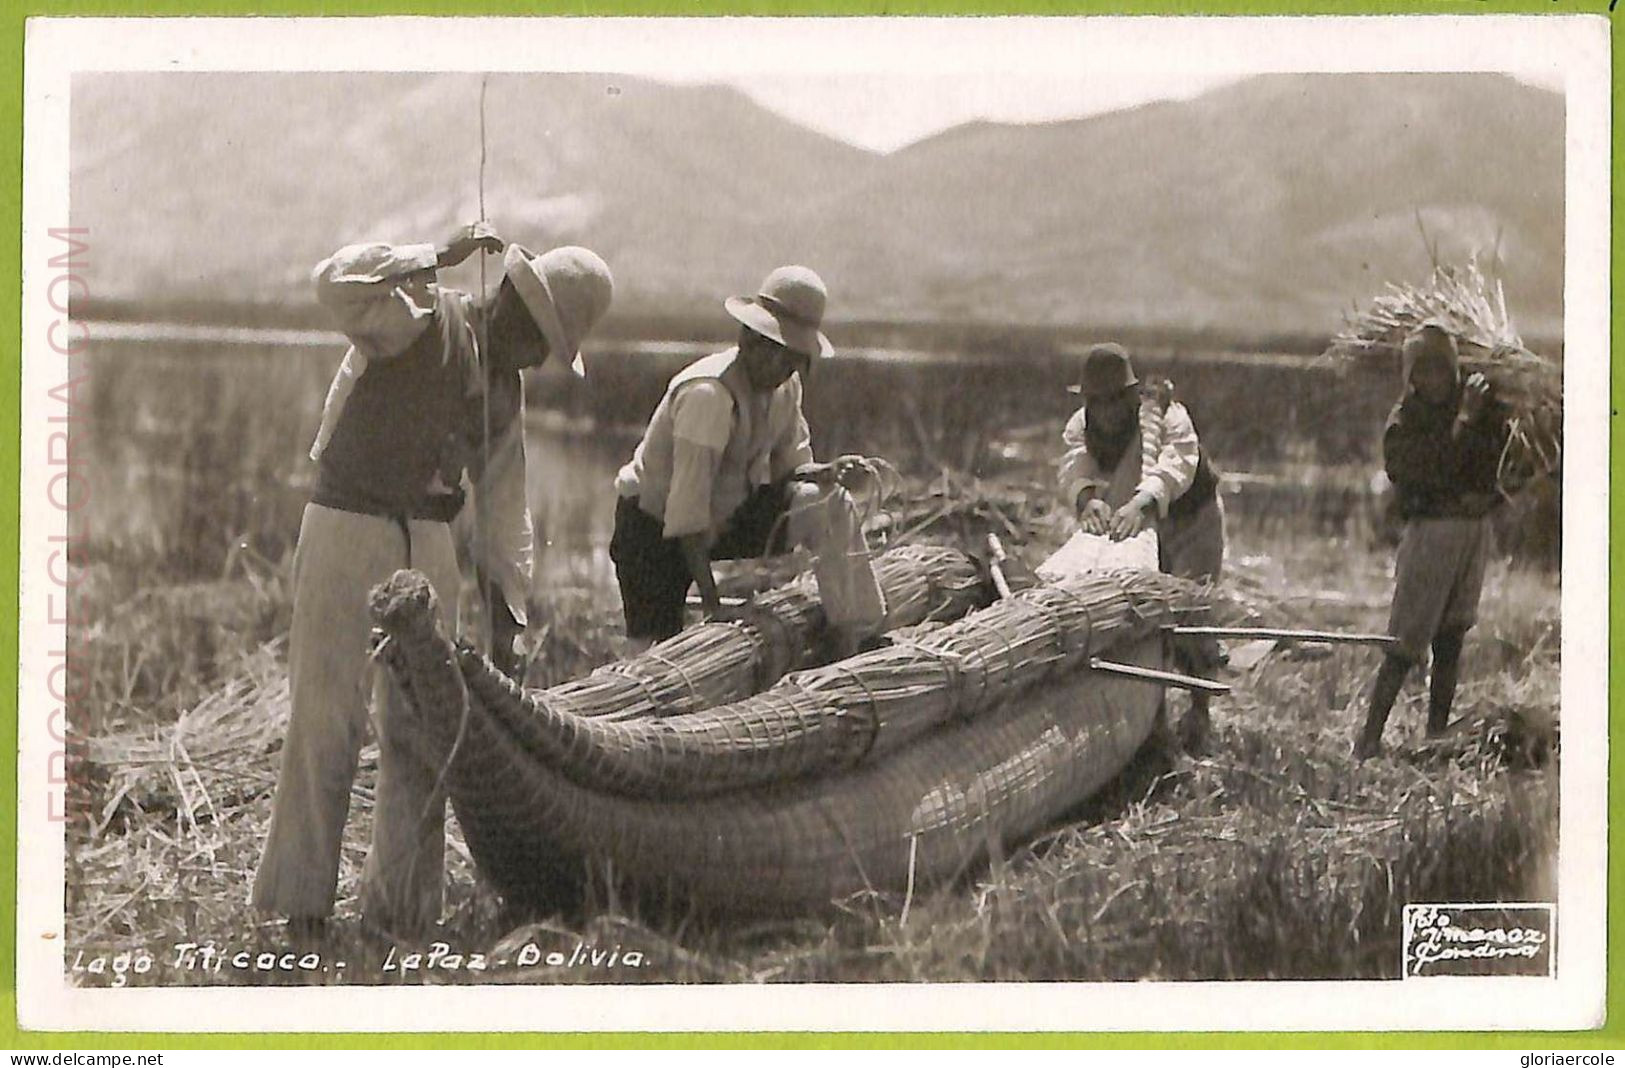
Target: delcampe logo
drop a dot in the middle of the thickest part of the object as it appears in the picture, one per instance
(1478, 939)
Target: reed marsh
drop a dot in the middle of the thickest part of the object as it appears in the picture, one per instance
(1271, 854)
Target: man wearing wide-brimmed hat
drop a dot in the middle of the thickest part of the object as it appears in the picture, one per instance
(1133, 460)
(725, 470)
(418, 406)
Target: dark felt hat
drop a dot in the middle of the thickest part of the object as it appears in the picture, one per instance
(1106, 370)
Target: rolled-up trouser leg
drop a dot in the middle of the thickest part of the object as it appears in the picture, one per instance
(826, 522)
(1438, 579)
(403, 880)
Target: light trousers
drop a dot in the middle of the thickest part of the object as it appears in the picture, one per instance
(339, 558)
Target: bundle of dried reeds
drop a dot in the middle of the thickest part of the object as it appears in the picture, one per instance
(1464, 302)
(779, 631)
(212, 758)
(964, 509)
(830, 719)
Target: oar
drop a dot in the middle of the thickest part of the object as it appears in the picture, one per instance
(1321, 636)
(1161, 678)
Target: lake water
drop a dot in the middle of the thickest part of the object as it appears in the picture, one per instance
(197, 443)
(570, 476)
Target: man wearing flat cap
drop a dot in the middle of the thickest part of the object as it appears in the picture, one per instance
(424, 402)
(1133, 461)
(725, 470)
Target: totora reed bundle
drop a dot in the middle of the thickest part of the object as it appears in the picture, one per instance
(1464, 303)
(712, 663)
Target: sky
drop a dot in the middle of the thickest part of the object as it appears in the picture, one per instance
(886, 83)
(887, 111)
(884, 112)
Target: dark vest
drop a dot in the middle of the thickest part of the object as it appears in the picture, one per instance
(1204, 485)
(406, 421)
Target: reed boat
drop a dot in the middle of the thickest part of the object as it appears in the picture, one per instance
(777, 782)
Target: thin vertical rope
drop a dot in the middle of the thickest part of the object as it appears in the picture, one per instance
(480, 533)
(484, 83)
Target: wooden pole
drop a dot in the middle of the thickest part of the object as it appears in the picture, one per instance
(995, 566)
(1160, 678)
(1321, 636)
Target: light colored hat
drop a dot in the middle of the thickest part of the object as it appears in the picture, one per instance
(789, 308)
(1106, 370)
(566, 291)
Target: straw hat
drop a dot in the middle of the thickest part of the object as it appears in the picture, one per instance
(789, 308)
(566, 291)
(1106, 370)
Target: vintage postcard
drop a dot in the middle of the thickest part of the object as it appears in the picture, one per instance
(1077, 524)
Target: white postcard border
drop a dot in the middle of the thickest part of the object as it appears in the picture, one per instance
(1577, 47)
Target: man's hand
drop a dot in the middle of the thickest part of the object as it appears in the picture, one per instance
(475, 237)
(1095, 516)
(697, 555)
(1129, 520)
(1475, 394)
(816, 474)
(504, 630)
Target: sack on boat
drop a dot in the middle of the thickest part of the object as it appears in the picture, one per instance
(1096, 552)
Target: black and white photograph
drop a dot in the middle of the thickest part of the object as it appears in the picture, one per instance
(677, 523)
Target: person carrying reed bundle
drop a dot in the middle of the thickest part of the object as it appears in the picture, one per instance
(1133, 460)
(1442, 449)
(725, 470)
(417, 402)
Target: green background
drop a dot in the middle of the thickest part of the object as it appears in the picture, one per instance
(11, 107)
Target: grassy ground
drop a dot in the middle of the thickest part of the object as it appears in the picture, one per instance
(1272, 854)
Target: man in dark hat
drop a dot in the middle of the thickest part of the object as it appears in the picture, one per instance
(725, 470)
(1441, 448)
(1134, 461)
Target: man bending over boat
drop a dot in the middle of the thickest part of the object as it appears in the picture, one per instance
(417, 402)
(725, 470)
(1133, 461)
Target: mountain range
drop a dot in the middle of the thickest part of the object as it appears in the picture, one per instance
(1269, 204)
